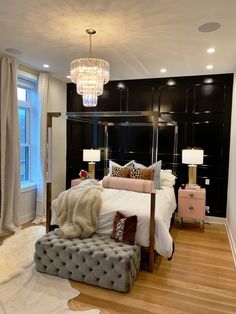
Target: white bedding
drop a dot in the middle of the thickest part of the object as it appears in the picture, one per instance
(134, 203)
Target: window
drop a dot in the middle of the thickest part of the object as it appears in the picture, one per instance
(27, 101)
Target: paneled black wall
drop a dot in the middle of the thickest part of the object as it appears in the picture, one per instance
(201, 105)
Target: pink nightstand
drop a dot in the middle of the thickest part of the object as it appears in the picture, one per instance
(191, 204)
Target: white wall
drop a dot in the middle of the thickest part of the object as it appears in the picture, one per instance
(27, 205)
(56, 102)
(231, 204)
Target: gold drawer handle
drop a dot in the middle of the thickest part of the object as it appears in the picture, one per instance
(191, 208)
(191, 195)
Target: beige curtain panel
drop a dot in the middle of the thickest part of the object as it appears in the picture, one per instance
(10, 146)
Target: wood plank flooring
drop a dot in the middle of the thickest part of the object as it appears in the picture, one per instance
(201, 278)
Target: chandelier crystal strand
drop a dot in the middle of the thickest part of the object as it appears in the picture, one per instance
(89, 75)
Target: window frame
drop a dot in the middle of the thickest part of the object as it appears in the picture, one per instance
(30, 86)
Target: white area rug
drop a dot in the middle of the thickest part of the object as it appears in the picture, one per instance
(17, 252)
(25, 291)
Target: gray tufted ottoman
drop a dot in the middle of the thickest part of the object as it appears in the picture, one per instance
(99, 260)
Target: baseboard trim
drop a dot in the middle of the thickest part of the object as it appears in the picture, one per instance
(215, 220)
(27, 217)
(231, 241)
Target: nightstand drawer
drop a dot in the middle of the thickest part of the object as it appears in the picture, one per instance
(192, 194)
(191, 208)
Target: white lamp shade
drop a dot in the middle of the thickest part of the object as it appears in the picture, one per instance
(192, 156)
(91, 154)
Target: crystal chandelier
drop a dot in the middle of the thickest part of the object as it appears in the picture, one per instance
(89, 75)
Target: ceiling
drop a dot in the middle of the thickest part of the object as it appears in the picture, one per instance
(136, 37)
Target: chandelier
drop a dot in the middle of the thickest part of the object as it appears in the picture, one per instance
(89, 75)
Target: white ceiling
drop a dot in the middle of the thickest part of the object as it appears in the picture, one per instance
(137, 37)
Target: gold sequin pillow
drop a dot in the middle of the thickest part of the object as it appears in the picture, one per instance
(139, 173)
(123, 172)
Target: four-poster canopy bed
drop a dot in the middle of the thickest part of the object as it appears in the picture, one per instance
(123, 119)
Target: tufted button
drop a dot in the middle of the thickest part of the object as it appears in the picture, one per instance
(104, 272)
(90, 269)
(98, 263)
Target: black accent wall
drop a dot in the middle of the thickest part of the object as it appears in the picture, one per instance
(201, 105)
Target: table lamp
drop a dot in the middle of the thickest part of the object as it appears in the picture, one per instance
(192, 157)
(91, 155)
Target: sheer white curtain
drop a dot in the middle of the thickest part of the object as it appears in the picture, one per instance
(42, 152)
(10, 146)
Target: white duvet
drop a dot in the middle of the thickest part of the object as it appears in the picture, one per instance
(133, 203)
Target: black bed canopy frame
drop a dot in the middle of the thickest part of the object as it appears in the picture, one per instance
(107, 119)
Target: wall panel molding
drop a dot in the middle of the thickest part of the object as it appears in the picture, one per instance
(201, 105)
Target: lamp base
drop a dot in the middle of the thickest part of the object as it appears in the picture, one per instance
(192, 186)
(192, 174)
(91, 169)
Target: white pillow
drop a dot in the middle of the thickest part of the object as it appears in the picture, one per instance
(137, 165)
(114, 164)
(167, 178)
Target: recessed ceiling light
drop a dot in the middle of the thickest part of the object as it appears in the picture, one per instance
(209, 67)
(46, 66)
(211, 50)
(163, 70)
(209, 27)
(68, 76)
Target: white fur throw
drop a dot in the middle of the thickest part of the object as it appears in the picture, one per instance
(77, 210)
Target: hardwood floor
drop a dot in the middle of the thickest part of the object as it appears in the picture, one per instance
(201, 278)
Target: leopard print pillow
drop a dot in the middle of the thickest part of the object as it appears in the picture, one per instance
(120, 172)
(138, 173)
